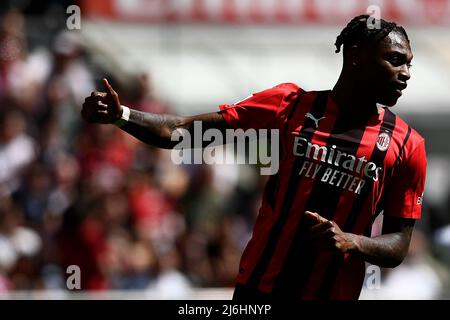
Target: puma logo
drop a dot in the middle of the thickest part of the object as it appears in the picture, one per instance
(316, 121)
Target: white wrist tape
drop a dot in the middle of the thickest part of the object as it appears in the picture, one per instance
(124, 118)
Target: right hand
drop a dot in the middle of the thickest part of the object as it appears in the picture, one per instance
(327, 235)
(102, 107)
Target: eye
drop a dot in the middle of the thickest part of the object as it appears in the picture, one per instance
(395, 60)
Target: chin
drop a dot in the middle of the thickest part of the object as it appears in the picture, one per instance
(389, 101)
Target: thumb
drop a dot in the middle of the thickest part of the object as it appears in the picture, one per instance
(108, 87)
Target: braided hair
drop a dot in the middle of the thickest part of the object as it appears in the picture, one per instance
(357, 32)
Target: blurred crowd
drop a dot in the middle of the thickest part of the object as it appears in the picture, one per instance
(92, 196)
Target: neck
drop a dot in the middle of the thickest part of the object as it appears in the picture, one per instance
(351, 97)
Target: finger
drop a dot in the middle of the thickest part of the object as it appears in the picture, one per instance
(326, 234)
(108, 86)
(315, 217)
(102, 105)
(323, 229)
(320, 227)
(98, 94)
(311, 215)
(92, 99)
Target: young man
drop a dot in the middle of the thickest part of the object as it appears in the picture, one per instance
(345, 157)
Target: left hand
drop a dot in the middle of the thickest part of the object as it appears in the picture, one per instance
(326, 234)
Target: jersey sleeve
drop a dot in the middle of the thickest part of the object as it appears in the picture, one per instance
(261, 110)
(405, 195)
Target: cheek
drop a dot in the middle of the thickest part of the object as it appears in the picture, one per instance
(382, 79)
(386, 71)
(375, 79)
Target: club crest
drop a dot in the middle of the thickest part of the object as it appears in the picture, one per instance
(383, 141)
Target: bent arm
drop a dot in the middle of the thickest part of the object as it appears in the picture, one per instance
(389, 249)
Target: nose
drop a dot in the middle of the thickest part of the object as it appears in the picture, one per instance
(404, 74)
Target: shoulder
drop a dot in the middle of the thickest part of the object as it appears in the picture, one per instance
(283, 88)
(274, 95)
(287, 88)
(284, 91)
(413, 135)
(412, 140)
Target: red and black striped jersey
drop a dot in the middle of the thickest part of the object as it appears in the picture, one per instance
(347, 170)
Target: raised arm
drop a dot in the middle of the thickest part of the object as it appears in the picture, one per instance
(150, 128)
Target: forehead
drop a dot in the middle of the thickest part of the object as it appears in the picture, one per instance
(396, 41)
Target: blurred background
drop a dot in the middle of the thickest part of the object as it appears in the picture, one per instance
(137, 225)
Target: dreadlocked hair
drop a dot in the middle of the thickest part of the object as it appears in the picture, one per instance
(358, 32)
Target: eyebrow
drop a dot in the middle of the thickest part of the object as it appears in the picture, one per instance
(395, 51)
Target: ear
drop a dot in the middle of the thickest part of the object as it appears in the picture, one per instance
(354, 56)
